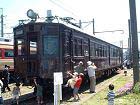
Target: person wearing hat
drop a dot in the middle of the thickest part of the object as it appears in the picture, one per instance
(79, 68)
(91, 73)
(71, 82)
(78, 82)
(5, 78)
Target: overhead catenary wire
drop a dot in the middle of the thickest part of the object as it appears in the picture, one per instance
(62, 7)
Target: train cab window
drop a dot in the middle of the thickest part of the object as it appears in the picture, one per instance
(9, 53)
(21, 47)
(33, 47)
(51, 45)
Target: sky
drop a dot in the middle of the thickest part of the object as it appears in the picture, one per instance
(109, 15)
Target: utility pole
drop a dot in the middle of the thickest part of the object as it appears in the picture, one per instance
(135, 52)
(121, 46)
(1, 22)
(130, 41)
(93, 27)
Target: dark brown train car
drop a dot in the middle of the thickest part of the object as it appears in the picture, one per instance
(44, 48)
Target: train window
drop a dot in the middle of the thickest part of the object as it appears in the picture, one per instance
(75, 47)
(51, 45)
(21, 46)
(96, 49)
(100, 50)
(117, 53)
(86, 48)
(92, 49)
(67, 46)
(9, 53)
(105, 51)
(114, 52)
(33, 47)
(111, 52)
(79, 47)
(33, 44)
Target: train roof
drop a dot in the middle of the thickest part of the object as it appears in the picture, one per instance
(91, 36)
(72, 27)
(6, 41)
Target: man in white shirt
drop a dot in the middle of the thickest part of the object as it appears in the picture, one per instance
(91, 73)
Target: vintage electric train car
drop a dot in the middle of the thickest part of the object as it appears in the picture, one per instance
(42, 48)
(6, 53)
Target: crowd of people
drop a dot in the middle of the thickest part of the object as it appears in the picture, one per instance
(4, 84)
(77, 78)
(74, 83)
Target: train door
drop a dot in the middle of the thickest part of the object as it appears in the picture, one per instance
(32, 58)
(68, 48)
(20, 59)
(26, 60)
(32, 66)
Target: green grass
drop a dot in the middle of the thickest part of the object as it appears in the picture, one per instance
(100, 98)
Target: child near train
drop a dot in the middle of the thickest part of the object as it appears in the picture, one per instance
(77, 86)
(71, 82)
(16, 93)
(111, 95)
(75, 83)
(39, 92)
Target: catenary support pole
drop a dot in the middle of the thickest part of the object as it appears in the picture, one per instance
(135, 52)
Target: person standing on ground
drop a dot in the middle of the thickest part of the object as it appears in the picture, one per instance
(34, 85)
(79, 68)
(39, 93)
(71, 82)
(91, 73)
(111, 95)
(16, 93)
(77, 86)
(1, 98)
(5, 78)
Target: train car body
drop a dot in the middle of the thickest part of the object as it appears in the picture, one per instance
(6, 53)
(42, 48)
